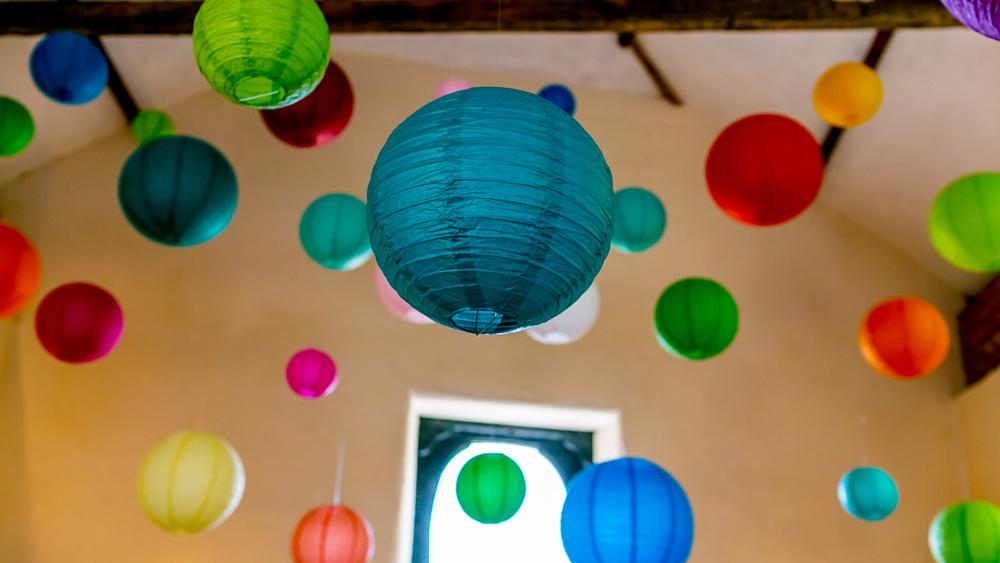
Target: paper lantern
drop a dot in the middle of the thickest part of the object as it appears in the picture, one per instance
(395, 303)
(573, 323)
(16, 127)
(490, 210)
(904, 338)
(178, 191)
(967, 532)
(490, 488)
(333, 232)
(640, 220)
(868, 493)
(68, 68)
(764, 170)
(190, 482)
(964, 223)
(151, 124)
(561, 96)
(311, 374)
(981, 16)
(626, 510)
(318, 118)
(696, 318)
(333, 534)
(450, 86)
(20, 271)
(848, 94)
(79, 323)
(264, 54)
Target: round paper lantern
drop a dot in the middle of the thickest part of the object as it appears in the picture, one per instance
(333, 534)
(573, 323)
(627, 509)
(640, 220)
(964, 223)
(16, 127)
(68, 68)
(318, 118)
(395, 303)
(561, 96)
(490, 210)
(848, 94)
(696, 318)
(178, 191)
(450, 86)
(151, 124)
(311, 374)
(264, 54)
(79, 322)
(190, 482)
(981, 16)
(967, 532)
(333, 232)
(904, 338)
(868, 493)
(20, 271)
(490, 488)
(764, 170)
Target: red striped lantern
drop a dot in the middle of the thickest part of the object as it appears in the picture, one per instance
(318, 118)
(333, 533)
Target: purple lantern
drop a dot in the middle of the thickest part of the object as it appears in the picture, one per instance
(981, 16)
(311, 374)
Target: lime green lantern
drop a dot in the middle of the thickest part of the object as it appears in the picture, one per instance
(490, 488)
(967, 532)
(16, 127)
(151, 124)
(265, 54)
(696, 319)
(965, 223)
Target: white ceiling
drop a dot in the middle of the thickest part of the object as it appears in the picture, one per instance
(939, 119)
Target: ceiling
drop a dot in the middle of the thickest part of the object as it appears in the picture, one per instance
(937, 122)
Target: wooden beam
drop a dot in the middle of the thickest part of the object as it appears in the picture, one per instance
(175, 17)
(629, 40)
(979, 333)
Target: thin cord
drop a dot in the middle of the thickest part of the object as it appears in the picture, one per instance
(338, 487)
(961, 468)
(863, 421)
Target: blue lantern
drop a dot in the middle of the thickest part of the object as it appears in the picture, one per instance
(68, 68)
(561, 96)
(868, 493)
(489, 210)
(178, 191)
(627, 510)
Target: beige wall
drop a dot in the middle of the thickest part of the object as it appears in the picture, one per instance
(758, 436)
(14, 530)
(980, 428)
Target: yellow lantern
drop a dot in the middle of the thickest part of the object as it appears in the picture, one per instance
(848, 94)
(190, 482)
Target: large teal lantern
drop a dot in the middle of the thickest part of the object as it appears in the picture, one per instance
(490, 210)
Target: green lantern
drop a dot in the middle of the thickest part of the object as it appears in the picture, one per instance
(967, 532)
(265, 54)
(16, 127)
(490, 488)
(965, 223)
(151, 124)
(696, 318)
(639, 220)
(334, 232)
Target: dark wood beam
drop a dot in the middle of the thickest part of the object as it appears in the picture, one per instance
(119, 90)
(364, 16)
(979, 333)
(630, 40)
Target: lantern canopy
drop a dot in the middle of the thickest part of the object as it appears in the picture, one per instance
(764, 170)
(20, 271)
(967, 532)
(79, 323)
(868, 493)
(264, 54)
(17, 128)
(848, 94)
(696, 318)
(318, 118)
(904, 338)
(68, 68)
(626, 510)
(964, 223)
(981, 16)
(333, 233)
(490, 488)
(640, 220)
(395, 304)
(333, 533)
(490, 210)
(311, 374)
(573, 323)
(190, 482)
(561, 96)
(151, 124)
(178, 191)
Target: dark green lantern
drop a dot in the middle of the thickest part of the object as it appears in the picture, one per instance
(16, 127)
(696, 318)
(490, 488)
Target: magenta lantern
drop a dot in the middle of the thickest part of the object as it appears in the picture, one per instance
(79, 323)
(395, 303)
(311, 373)
(318, 118)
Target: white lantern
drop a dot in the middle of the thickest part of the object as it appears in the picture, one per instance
(573, 323)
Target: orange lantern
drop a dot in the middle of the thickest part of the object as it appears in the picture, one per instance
(904, 338)
(20, 271)
(333, 533)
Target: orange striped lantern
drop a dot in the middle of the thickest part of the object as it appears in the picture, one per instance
(904, 338)
(333, 533)
(20, 271)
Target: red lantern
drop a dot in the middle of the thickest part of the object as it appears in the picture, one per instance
(333, 533)
(79, 322)
(904, 338)
(764, 169)
(20, 271)
(318, 118)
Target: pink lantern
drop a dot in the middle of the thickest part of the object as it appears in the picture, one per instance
(395, 303)
(79, 323)
(452, 85)
(311, 374)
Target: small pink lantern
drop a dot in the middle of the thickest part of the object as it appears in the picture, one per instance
(311, 374)
(395, 303)
(452, 85)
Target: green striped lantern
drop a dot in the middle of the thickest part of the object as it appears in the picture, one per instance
(964, 223)
(967, 532)
(696, 319)
(490, 488)
(150, 125)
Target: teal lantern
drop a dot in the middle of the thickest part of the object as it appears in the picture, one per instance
(967, 532)
(265, 54)
(151, 124)
(490, 210)
(333, 233)
(868, 493)
(16, 127)
(490, 488)
(640, 220)
(696, 319)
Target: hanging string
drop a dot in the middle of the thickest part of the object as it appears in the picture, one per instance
(857, 390)
(338, 487)
(961, 467)
(863, 421)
